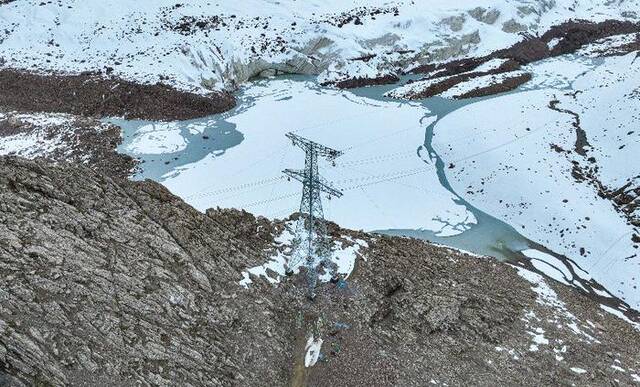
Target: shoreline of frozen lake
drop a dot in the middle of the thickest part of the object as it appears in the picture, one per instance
(235, 160)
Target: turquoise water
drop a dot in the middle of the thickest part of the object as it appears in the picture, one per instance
(216, 137)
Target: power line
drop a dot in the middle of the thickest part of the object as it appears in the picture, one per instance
(277, 179)
(240, 187)
(271, 200)
(390, 178)
(377, 159)
(379, 138)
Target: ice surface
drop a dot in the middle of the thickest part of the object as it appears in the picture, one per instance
(157, 138)
(387, 179)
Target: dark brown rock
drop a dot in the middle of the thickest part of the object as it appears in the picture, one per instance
(507, 84)
(91, 95)
(529, 50)
(576, 33)
(362, 82)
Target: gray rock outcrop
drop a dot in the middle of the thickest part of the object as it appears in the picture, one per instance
(105, 281)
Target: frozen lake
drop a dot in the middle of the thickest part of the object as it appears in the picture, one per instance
(393, 179)
(235, 159)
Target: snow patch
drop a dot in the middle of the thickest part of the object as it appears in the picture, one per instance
(553, 43)
(607, 45)
(342, 254)
(548, 297)
(530, 145)
(549, 265)
(312, 351)
(538, 339)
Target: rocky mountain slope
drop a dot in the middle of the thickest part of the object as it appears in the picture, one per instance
(106, 281)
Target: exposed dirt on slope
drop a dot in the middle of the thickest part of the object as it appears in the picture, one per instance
(570, 36)
(576, 33)
(105, 281)
(96, 96)
(451, 78)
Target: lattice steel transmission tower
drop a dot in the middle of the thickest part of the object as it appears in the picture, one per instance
(311, 243)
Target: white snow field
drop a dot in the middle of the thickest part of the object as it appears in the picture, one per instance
(202, 45)
(517, 165)
(386, 182)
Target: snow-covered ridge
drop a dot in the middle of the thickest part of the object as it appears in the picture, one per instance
(201, 46)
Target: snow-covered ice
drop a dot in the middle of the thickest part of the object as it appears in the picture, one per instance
(518, 166)
(157, 138)
(387, 178)
(557, 72)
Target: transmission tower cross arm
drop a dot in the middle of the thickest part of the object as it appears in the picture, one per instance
(325, 187)
(295, 174)
(318, 182)
(308, 145)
